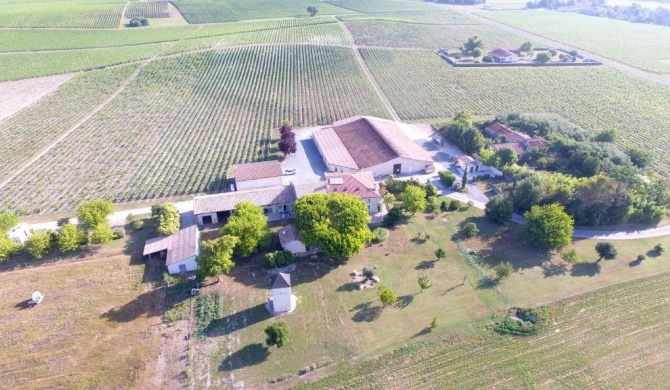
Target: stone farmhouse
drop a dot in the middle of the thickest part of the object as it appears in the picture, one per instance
(503, 56)
(519, 142)
(367, 144)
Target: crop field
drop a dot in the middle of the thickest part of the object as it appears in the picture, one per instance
(37, 40)
(61, 13)
(413, 35)
(203, 11)
(379, 6)
(147, 9)
(18, 95)
(644, 46)
(177, 127)
(33, 128)
(419, 17)
(420, 85)
(94, 328)
(23, 65)
(616, 337)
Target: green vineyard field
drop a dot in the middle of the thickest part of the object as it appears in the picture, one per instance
(61, 13)
(151, 9)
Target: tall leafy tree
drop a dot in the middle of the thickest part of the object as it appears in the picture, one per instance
(216, 256)
(70, 238)
(93, 213)
(168, 218)
(606, 250)
(499, 209)
(250, 225)
(462, 132)
(548, 226)
(7, 246)
(414, 199)
(7, 221)
(337, 223)
(102, 233)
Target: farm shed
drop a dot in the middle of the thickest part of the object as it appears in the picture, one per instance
(503, 56)
(289, 239)
(282, 300)
(498, 130)
(257, 175)
(179, 250)
(20, 233)
(360, 184)
(366, 144)
(277, 204)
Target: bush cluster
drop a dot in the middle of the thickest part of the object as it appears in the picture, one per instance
(278, 259)
(380, 234)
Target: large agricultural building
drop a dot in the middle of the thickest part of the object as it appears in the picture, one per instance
(374, 145)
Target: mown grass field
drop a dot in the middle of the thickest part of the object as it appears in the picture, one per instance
(616, 337)
(420, 85)
(645, 46)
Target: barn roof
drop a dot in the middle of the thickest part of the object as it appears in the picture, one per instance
(288, 234)
(360, 184)
(179, 246)
(226, 201)
(257, 170)
(280, 280)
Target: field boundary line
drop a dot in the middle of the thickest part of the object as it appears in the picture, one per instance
(123, 15)
(368, 74)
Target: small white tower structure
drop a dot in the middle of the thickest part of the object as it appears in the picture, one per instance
(282, 300)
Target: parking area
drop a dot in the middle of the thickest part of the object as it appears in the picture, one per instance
(307, 161)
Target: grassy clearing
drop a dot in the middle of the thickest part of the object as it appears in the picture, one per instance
(420, 85)
(412, 35)
(61, 13)
(184, 120)
(613, 338)
(644, 46)
(334, 320)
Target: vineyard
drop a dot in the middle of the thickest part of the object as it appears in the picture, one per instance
(617, 337)
(23, 65)
(229, 11)
(33, 128)
(644, 46)
(419, 17)
(61, 13)
(413, 35)
(379, 6)
(177, 128)
(420, 85)
(18, 95)
(148, 9)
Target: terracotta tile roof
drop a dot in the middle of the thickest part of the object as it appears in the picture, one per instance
(500, 130)
(280, 280)
(288, 234)
(512, 145)
(536, 143)
(303, 189)
(257, 170)
(333, 149)
(179, 246)
(359, 184)
(227, 201)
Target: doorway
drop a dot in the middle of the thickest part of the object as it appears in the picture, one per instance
(396, 169)
(207, 220)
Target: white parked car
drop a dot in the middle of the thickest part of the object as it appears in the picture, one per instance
(289, 171)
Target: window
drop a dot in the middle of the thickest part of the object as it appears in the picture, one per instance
(267, 210)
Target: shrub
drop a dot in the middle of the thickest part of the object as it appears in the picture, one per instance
(447, 178)
(454, 205)
(641, 258)
(469, 230)
(168, 219)
(499, 209)
(660, 248)
(504, 270)
(394, 216)
(431, 190)
(138, 225)
(277, 334)
(70, 238)
(444, 206)
(570, 257)
(389, 199)
(38, 245)
(269, 261)
(606, 250)
(524, 322)
(488, 59)
(278, 259)
(63, 221)
(440, 253)
(144, 22)
(380, 234)
(135, 22)
(102, 234)
(119, 233)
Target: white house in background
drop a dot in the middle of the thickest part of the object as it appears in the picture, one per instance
(289, 239)
(20, 233)
(467, 163)
(503, 56)
(360, 184)
(282, 300)
(367, 144)
(179, 250)
(257, 175)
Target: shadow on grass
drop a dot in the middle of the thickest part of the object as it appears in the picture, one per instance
(550, 269)
(250, 355)
(348, 287)
(236, 321)
(365, 312)
(404, 301)
(148, 304)
(486, 283)
(23, 304)
(585, 269)
(653, 254)
(635, 263)
(423, 332)
(426, 264)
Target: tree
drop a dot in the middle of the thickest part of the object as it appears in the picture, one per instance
(135, 22)
(389, 199)
(506, 157)
(431, 190)
(277, 334)
(447, 178)
(168, 218)
(469, 230)
(660, 249)
(527, 47)
(499, 209)
(216, 256)
(250, 225)
(70, 238)
(477, 52)
(8, 221)
(454, 205)
(394, 216)
(503, 270)
(570, 256)
(8, 247)
(440, 253)
(605, 136)
(312, 10)
(144, 22)
(640, 158)
(473, 43)
(336, 222)
(488, 59)
(464, 180)
(287, 144)
(38, 245)
(543, 57)
(423, 282)
(641, 258)
(414, 199)
(388, 297)
(462, 132)
(606, 250)
(94, 212)
(548, 226)
(102, 234)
